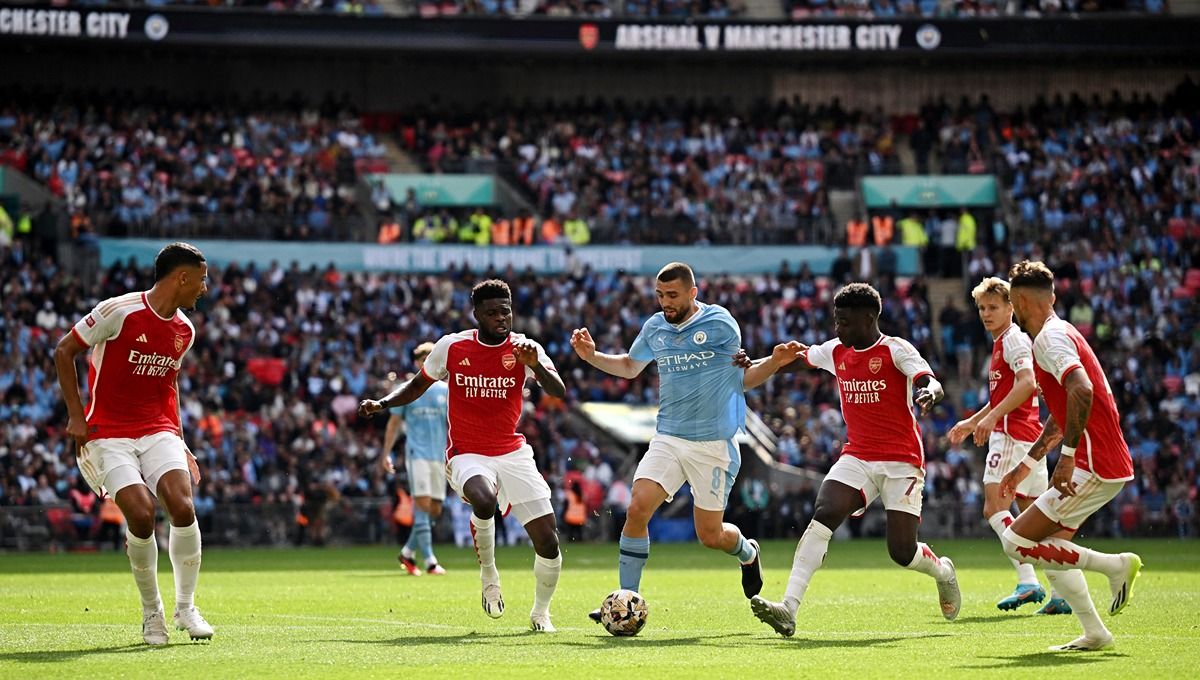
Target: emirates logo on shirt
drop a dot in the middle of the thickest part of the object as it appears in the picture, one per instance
(875, 364)
(509, 361)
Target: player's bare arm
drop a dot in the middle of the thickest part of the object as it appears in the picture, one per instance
(929, 393)
(527, 354)
(395, 425)
(69, 347)
(1050, 437)
(966, 426)
(1022, 390)
(782, 355)
(1079, 408)
(620, 365)
(193, 466)
(407, 393)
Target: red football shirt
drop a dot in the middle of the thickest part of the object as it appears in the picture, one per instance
(876, 388)
(1013, 352)
(486, 391)
(136, 355)
(1057, 350)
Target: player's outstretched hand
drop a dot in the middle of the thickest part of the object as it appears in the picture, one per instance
(1010, 482)
(583, 344)
(959, 432)
(525, 352)
(787, 352)
(368, 408)
(742, 360)
(385, 463)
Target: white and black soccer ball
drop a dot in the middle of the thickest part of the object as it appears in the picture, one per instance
(623, 613)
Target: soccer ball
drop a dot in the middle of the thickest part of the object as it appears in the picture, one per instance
(623, 613)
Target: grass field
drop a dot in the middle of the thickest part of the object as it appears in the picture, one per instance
(350, 613)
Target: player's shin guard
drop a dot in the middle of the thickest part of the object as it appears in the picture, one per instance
(143, 560)
(483, 531)
(184, 548)
(634, 553)
(1073, 588)
(999, 522)
(927, 562)
(810, 553)
(545, 578)
(1061, 554)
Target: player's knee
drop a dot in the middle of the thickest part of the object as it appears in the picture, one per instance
(545, 544)
(902, 553)
(140, 519)
(829, 516)
(639, 513)
(710, 537)
(481, 498)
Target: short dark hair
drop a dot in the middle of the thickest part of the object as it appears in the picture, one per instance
(176, 255)
(1031, 274)
(858, 296)
(492, 289)
(677, 271)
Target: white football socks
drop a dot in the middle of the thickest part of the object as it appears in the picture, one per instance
(810, 553)
(143, 560)
(1074, 589)
(545, 578)
(184, 549)
(1025, 573)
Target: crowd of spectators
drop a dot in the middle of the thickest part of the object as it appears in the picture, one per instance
(164, 167)
(669, 171)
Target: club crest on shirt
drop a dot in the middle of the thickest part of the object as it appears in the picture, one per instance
(875, 364)
(509, 361)
(178, 343)
(700, 337)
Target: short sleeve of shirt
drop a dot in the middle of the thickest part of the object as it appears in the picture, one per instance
(907, 359)
(542, 358)
(821, 356)
(730, 335)
(435, 364)
(1056, 353)
(1018, 352)
(96, 328)
(640, 351)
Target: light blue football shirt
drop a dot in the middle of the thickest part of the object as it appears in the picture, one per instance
(701, 397)
(425, 423)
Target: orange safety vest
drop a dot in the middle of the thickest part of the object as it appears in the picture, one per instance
(403, 514)
(523, 231)
(110, 512)
(576, 514)
(551, 230)
(856, 234)
(885, 229)
(502, 233)
(389, 232)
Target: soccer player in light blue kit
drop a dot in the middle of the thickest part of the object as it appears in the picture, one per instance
(702, 406)
(424, 423)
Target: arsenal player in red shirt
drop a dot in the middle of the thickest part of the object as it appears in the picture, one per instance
(1093, 467)
(130, 437)
(488, 462)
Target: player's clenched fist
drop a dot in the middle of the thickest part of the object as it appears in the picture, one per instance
(368, 408)
(581, 341)
(525, 352)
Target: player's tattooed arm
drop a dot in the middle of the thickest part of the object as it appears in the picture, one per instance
(929, 393)
(407, 393)
(1079, 406)
(1050, 437)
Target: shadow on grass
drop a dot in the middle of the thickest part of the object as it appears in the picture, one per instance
(1045, 660)
(646, 640)
(59, 656)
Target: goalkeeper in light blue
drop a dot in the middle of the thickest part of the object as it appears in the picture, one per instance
(424, 425)
(702, 406)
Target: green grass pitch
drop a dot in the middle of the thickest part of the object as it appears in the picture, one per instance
(349, 612)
